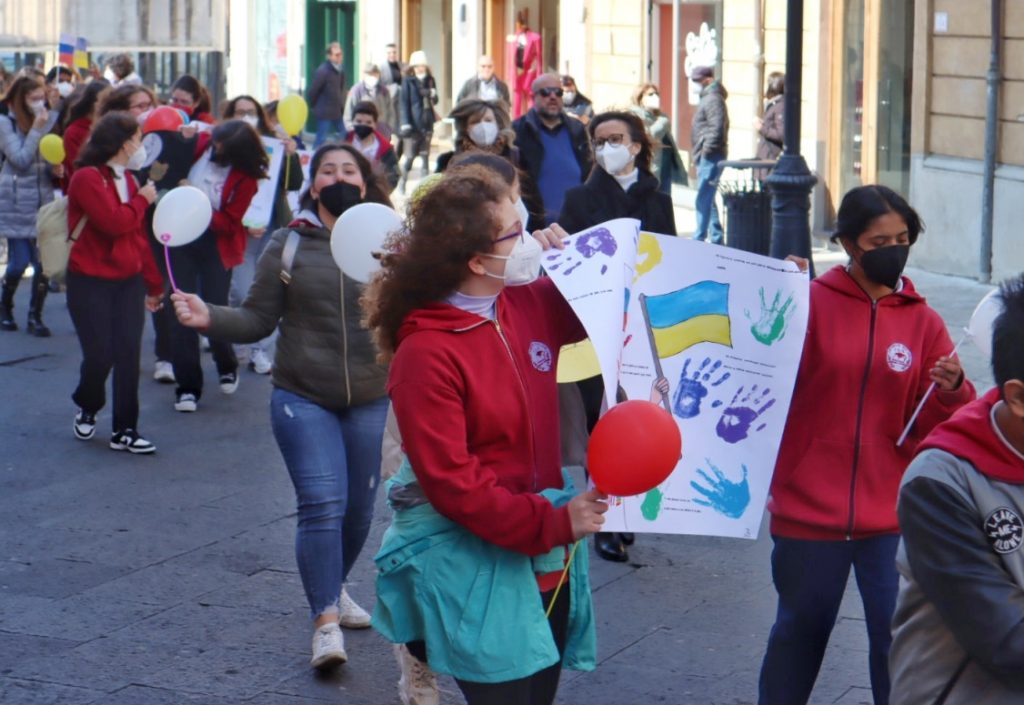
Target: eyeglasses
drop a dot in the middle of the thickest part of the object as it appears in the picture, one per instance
(548, 92)
(143, 107)
(614, 140)
(246, 113)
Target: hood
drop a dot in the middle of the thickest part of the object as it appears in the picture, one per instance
(970, 434)
(840, 281)
(306, 222)
(715, 87)
(439, 316)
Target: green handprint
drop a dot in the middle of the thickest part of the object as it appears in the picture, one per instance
(770, 328)
(651, 507)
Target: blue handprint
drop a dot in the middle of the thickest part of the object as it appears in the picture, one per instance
(692, 389)
(740, 415)
(723, 495)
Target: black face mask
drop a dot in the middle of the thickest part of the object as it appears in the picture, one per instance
(884, 265)
(339, 197)
(362, 131)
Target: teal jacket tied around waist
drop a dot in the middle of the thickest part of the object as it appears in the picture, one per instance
(476, 605)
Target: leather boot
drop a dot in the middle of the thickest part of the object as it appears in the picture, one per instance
(610, 547)
(7, 322)
(40, 288)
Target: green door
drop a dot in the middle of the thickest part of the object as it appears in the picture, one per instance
(328, 22)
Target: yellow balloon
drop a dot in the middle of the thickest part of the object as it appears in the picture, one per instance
(52, 149)
(292, 112)
(577, 361)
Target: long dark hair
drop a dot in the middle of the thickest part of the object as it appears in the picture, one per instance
(86, 101)
(263, 126)
(376, 189)
(637, 133)
(452, 222)
(239, 146)
(863, 204)
(109, 135)
(15, 99)
(192, 86)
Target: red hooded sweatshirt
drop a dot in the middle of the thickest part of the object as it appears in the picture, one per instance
(477, 407)
(971, 435)
(226, 223)
(865, 367)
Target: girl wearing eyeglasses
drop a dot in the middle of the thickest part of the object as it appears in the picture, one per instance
(484, 517)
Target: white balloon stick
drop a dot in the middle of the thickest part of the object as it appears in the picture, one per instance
(931, 388)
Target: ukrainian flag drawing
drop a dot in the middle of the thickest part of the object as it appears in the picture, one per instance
(680, 319)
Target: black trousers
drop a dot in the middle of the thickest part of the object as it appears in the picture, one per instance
(163, 320)
(537, 689)
(197, 268)
(416, 145)
(108, 316)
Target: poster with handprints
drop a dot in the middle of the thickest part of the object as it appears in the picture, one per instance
(715, 335)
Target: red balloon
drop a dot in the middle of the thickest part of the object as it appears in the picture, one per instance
(163, 119)
(633, 448)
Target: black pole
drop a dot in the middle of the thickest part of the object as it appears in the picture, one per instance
(791, 181)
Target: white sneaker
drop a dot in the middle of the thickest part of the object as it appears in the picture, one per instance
(186, 402)
(352, 615)
(260, 363)
(418, 685)
(163, 372)
(328, 647)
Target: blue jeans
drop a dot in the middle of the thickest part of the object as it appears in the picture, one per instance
(324, 127)
(333, 458)
(810, 577)
(707, 211)
(21, 252)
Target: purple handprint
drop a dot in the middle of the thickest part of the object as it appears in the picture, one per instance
(740, 415)
(597, 241)
(692, 390)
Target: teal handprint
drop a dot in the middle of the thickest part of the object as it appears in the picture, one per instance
(770, 328)
(723, 495)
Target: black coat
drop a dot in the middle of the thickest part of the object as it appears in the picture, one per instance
(531, 153)
(416, 103)
(601, 199)
(326, 95)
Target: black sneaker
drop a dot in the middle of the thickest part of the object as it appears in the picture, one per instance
(131, 441)
(85, 426)
(229, 382)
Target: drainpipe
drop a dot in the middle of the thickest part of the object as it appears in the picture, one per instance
(676, 48)
(991, 143)
(758, 62)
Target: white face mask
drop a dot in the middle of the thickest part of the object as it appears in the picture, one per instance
(568, 97)
(142, 116)
(371, 81)
(252, 120)
(652, 102)
(420, 73)
(522, 264)
(64, 89)
(524, 214)
(37, 106)
(613, 158)
(137, 160)
(484, 133)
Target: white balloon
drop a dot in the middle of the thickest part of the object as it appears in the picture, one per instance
(358, 233)
(982, 320)
(181, 216)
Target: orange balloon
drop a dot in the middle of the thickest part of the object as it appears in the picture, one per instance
(634, 448)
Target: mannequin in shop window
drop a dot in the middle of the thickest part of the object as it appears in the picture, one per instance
(525, 59)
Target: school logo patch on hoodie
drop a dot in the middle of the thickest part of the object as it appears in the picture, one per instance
(1005, 530)
(540, 356)
(899, 357)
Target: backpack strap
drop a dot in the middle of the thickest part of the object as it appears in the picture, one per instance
(291, 246)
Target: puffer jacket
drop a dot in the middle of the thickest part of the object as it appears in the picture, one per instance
(710, 135)
(26, 180)
(323, 353)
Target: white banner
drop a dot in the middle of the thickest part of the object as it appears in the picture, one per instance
(262, 206)
(723, 331)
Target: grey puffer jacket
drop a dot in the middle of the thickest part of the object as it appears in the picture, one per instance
(323, 352)
(710, 135)
(26, 180)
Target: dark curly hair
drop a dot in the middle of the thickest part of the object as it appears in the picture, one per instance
(637, 133)
(1008, 334)
(444, 229)
(239, 145)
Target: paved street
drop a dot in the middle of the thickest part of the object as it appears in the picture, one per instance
(170, 579)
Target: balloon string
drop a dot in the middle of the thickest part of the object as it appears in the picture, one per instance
(927, 394)
(170, 272)
(561, 580)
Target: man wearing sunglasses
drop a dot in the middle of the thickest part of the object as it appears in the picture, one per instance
(553, 149)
